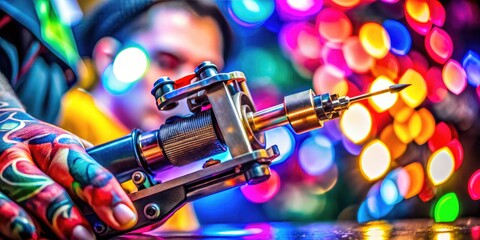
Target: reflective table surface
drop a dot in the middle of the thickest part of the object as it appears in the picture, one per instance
(467, 228)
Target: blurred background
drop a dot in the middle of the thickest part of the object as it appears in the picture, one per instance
(411, 155)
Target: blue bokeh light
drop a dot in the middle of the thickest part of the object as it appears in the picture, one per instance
(283, 138)
(471, 64)
(400, 38)
(251, 12)
(112, 84)
(316, 155)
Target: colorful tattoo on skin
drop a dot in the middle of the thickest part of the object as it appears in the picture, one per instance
(32, 151)
(14, 221)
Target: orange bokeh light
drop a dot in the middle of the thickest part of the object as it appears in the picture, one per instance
(454, 77)
(417, 177)
(428, 126)
(396, 147)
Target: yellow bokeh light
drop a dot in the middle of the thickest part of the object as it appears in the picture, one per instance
(375, 40)
(356, 123)
(402, 131)
(417, 177)
(418, 10)
(428, 126)
(394, 144)
(382, 102)
(415, 94)
(414, 125)
(440, 166)
(374, 160)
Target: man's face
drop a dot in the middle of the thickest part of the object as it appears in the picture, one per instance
(176, 42)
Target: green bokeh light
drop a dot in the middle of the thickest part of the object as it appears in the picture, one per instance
(447, 208)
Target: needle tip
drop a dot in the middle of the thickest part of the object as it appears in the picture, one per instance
(398, 87)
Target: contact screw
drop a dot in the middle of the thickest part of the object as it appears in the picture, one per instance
(138, 178)
(151, 211)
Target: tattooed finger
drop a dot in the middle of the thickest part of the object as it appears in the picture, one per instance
(70, 166)
(14, 221)
(24, 183)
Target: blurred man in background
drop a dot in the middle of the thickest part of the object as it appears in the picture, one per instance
(154, 39)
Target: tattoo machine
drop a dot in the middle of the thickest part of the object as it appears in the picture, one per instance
(224, 119)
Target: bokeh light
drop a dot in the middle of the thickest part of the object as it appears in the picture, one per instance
(447, 208)
(112, 84)
(351, 147)
(283, 138)
(356, 123)
(316, 155)
(393, 143)
(400, 38)
(418, 10)
(417, 176)
(428, 191)
(421, 28)
(262, 192)
(298, 8)
(454, 77)
(437, 13)
(415, 94)
(471, 64)
(395, 186)
(252, 12)
(130, 65)
(334, 25)
(376, 206)
(389, 192)
(334, 56)
(439, 45)
(355, 55)
(329, 79)
(428, 126)
(441, 137)
(375, 39)
(384, 101)
(440, 166)
(387, 66)
(437, 91)
(457, 151)
(474, 185)
(407, 125)
(346, 3)
(374, 160)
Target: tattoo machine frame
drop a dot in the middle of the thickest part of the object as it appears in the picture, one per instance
(224, 118)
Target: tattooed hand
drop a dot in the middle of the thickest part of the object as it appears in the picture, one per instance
(40, 165)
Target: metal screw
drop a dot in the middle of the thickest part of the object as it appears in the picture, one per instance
(210, 162)
(151, 211)
(138, 178)
(99, 228)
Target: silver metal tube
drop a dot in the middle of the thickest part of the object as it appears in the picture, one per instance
(269, 118)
